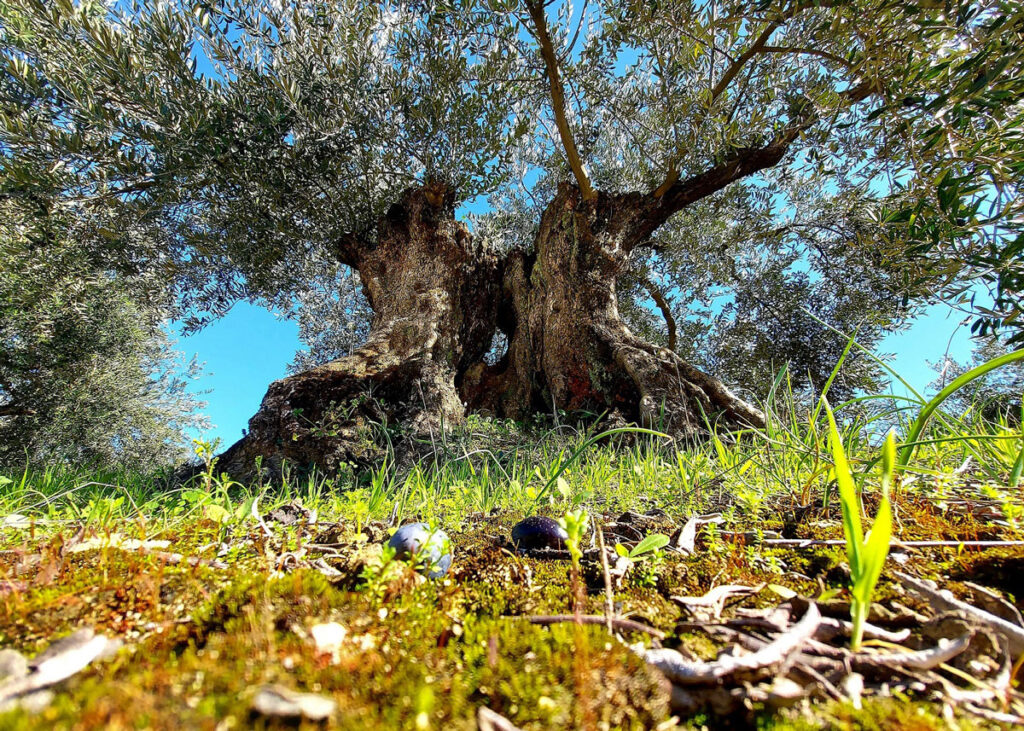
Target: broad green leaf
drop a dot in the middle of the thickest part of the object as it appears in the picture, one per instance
(651, 543)
(217, 513)
(782, 591)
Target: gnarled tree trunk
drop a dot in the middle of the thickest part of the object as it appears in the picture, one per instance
(568, 346)
(434, 292)
(438, 300)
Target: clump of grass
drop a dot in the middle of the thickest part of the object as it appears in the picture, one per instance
(931, 406)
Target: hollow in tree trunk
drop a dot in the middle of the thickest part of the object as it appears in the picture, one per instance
(568, 346)
(439, 298)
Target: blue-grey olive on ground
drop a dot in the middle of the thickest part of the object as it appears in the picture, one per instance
(430, 548)
(537, 532)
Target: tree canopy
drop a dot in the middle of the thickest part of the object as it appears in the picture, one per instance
(811, 155)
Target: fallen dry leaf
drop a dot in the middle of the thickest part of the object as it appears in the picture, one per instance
(715, 599)
(946, 650)
(280, 702)
(62, 659)
(488, 720)
(944, 601)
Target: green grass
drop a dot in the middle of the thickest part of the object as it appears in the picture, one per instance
(495, 465)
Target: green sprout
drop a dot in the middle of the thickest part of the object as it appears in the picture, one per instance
(866, 553)
(648, 552)
(575, 523)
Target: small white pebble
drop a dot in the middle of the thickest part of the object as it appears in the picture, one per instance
(329, 636)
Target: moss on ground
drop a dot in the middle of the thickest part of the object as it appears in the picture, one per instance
(417, 654)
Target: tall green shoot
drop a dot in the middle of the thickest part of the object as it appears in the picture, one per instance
(866, 553)
(575, 523)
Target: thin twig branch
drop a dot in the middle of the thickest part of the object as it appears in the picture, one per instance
(547, 51)
(666, 310)
(626, 625)
(12, 410)
(736, 66)
(809, 52)
(757, 47)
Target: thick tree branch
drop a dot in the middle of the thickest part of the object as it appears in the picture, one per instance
(742, 162)
(757, 47)
(349, 249)
(547, 50)
(666, 310)
(12, 410)
(680, 193)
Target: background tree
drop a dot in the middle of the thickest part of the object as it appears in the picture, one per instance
(87, 373)
(333, 317)
(611, 140)
(1000, 394)
(749, 311)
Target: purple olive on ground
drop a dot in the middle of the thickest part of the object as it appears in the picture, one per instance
(538, 532)
(430, 548)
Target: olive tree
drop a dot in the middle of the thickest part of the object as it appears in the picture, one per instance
(88, 375)
(622, 146)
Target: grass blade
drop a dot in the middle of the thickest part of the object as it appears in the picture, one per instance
(847, 494)
(930, 407)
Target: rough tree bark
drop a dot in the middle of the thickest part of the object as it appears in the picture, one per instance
(568, 346)
(434, 292)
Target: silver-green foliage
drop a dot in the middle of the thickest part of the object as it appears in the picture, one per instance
(317, 114)
(87, 371)
(961, 116)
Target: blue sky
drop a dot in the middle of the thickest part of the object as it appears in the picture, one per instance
(250, 347)
(242, 353)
